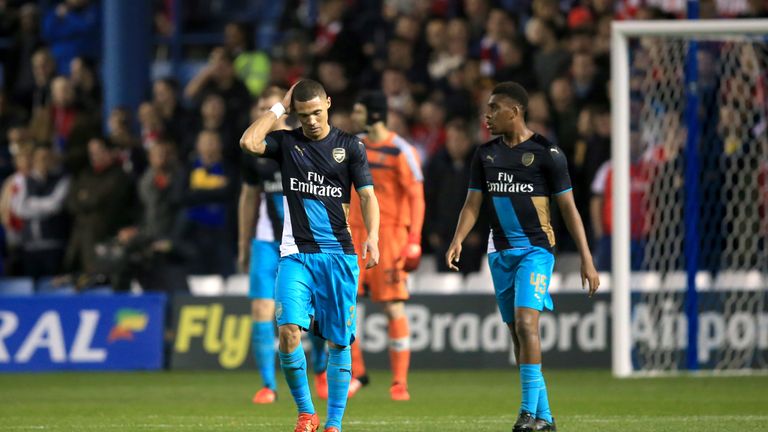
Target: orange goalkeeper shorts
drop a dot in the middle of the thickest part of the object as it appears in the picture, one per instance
(386, 281)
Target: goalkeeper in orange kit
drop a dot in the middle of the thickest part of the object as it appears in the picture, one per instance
(396, 172)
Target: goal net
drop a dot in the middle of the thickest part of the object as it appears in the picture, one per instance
(691, 159)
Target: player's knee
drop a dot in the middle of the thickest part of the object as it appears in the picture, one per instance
(394, 309)
(290, 337)
(526, 327)
(336, 346)
(263, 310)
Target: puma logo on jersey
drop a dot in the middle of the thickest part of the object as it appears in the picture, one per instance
(299, 149)
(490, 158)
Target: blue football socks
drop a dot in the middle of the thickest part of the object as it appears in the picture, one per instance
(263, 346)
(339, 375)
(542, 409)
(294, 367)
(531, 381)
(319, 354)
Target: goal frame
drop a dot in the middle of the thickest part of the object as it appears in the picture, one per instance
(621, 32)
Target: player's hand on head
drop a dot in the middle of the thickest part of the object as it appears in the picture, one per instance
(453, 255)
(287, 98)
(589, 277)
(371, 252)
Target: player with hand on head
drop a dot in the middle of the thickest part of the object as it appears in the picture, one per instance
(260, 216)
(518, 172)
(396, 171)
(317, 274)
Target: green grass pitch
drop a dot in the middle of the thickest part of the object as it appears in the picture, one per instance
(441, 401)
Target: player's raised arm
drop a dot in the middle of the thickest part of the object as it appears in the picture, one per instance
(253, 137)
(575, 226)
(467, 219)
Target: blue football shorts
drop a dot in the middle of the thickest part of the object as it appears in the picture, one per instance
(263, 269)
(319, 285)
(521, 279)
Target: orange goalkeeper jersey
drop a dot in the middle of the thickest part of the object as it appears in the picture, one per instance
(395, 168)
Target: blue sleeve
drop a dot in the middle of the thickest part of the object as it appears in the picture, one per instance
(359, 171)
(274, 145)
(477, 173)
(556, 167)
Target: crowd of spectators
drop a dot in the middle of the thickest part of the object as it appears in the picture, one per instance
(153, 196)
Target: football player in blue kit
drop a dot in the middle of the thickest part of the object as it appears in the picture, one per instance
(260, 212)
(317, 274)
(518, 173)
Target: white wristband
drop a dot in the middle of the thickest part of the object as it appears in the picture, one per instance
(278, 109)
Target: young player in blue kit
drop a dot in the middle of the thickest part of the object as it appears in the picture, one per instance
(260, 216)
(317, 274)
(518, 172)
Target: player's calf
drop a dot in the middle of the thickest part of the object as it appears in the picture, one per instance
(339, 375)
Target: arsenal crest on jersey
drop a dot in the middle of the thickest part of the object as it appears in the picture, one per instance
(528, 159)
(339, 154)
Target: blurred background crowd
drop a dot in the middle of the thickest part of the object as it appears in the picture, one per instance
(150, 192)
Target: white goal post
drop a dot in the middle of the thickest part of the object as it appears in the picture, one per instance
(624, 33)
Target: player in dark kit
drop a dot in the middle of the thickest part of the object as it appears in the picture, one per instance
(260, 216)
(518, 172)
(318, 271)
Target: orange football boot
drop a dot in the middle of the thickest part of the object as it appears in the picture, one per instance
(399, 392)
(265, 396)
(307, 423)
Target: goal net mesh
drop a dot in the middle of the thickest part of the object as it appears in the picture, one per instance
(732, 201)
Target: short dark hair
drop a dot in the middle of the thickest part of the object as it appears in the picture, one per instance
(513, 91)
(307, 90)
(375, 103)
